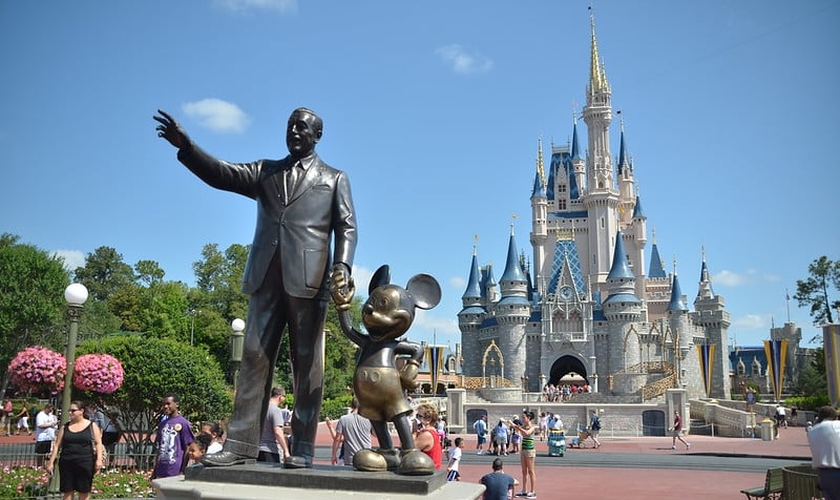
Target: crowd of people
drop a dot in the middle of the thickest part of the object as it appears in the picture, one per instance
(552, 393)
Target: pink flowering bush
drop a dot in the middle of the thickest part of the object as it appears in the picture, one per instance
(38, 369)
(101, 373)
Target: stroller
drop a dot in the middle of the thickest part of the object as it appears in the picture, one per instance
(580, 440)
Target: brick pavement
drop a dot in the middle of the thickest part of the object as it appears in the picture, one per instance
(583, 483)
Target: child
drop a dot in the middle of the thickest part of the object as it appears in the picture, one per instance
(197, 448)
(455, 452)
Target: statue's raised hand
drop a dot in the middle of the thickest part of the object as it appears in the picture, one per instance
(170, 130)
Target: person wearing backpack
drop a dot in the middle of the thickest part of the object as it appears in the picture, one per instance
(480, 427)
(595, 428)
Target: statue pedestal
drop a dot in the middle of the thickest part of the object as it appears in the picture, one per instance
(270, 482)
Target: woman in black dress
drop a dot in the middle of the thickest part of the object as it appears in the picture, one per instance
(80, 444)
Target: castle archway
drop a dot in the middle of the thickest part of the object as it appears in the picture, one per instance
(565, 365)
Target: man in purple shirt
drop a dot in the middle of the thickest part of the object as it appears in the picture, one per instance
(173, 437)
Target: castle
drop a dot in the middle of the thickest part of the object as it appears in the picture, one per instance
(591, 307)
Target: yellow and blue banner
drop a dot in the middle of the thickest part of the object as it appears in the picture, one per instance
(706, 353)
(831, 346)
(776, 351)
(434, 355)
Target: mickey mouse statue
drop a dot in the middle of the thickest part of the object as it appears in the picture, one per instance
(378, 383)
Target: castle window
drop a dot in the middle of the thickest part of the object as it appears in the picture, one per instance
(561, 188)
(562, 204)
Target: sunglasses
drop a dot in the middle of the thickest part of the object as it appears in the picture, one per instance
(75, 409)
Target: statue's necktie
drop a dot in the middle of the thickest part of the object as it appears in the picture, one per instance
(292, 177)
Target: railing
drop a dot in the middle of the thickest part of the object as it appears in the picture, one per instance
(649, 367)
(475, 383)
(24, 477)
(658, 388)
(800, 483)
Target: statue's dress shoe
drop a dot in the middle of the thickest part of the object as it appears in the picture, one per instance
(296, 462)
(416, 463)
(225, 459)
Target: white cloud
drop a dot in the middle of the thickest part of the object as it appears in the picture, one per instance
(72, 258)
(441, 326)
(361, 277)
(750, 322)
(751, 277)
(462, 61)
(281, 6)
(217, 115)
(458, 282)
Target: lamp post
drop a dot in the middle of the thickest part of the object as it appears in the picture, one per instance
(237, 344)
(75, 294)
(192, 313)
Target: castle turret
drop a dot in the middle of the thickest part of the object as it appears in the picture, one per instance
(512, 313)
(470, 318)
(601, 198)
(539, 214)
(622, 308)
(711, 314)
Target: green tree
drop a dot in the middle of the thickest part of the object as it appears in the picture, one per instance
(104, 273)
(154, 367)
(32, 303)
(814, 291)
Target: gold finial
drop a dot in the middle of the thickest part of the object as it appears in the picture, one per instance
(675, 264)
(703, 252)
(475, 245)
(653, 237)
(574, 112)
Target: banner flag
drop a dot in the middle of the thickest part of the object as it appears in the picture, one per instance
(435, 356)
(706, 353)
(831, 346)
(776, 351)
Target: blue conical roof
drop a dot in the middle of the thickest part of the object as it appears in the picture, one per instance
(473, 290)
(575, 145)
(513, 271)
(620, 267)
(676, 303)
(539, 188)
(638, 213)
(622, 154)
(656, 269)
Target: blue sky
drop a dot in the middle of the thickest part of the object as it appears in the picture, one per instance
(434, 109)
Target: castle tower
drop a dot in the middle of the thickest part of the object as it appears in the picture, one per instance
(793, 334)
(678, 323)
(601, 198)
(622, 308)
(470, 318)
(711, 314)
(512, 313)
(539, 215)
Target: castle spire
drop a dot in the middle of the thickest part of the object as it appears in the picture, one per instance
(677, 303)
(597, 74)
(473, 290)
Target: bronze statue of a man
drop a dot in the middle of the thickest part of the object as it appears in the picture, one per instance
(302, 204)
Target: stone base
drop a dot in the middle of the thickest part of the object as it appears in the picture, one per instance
(270, 482)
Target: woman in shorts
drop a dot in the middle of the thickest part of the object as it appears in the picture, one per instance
(528, 456)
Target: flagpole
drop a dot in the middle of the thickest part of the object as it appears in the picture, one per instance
(787, 299)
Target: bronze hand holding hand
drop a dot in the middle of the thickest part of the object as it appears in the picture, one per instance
(342, 287)
(170, 130)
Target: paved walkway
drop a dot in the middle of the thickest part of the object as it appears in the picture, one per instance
(583, 483)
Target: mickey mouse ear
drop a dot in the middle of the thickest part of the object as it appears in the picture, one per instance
(425, 291)
(382, 276)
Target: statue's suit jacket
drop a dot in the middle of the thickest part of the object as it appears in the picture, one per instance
(298, 224)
